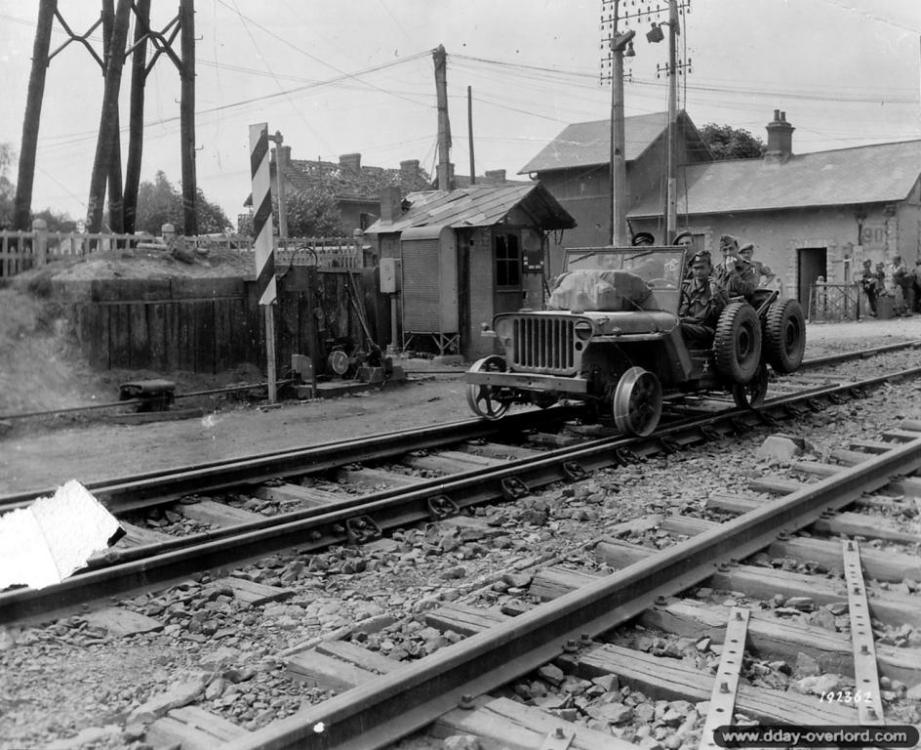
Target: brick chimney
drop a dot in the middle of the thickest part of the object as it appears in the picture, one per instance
(351, 162)
(409, 174)
(391, 204)
(780, 139)
(284, 155)
(494, 177)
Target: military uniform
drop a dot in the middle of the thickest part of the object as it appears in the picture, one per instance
(733, 274)
(702, 301)
(736, 277)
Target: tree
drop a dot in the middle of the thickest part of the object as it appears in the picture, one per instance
(313, 213)
(56, 222)
(160, 203)
(7, 188)
(727, 142)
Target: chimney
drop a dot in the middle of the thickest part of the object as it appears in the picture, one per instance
(409, 174)
(351, 162)
(780, 139)
(391, 204)
(284, 155)
(495, 176)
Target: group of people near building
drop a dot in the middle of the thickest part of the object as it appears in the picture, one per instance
(898, 283)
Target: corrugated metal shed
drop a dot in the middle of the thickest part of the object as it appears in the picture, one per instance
(878, 173)
(479, 206)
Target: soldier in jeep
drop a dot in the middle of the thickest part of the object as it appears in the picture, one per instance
(702, 301)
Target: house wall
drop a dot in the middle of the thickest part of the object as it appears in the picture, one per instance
(586, 194)
(886, 230)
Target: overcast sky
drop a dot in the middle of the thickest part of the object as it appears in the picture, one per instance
(342, 76)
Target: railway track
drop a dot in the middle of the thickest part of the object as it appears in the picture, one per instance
(758, 556)
(423, 488)
(522, 641)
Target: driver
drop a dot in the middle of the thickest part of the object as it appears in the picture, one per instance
(702, 301)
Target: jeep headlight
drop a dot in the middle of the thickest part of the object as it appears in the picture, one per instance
(583, 329)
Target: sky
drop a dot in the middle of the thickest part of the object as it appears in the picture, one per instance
(344, 76)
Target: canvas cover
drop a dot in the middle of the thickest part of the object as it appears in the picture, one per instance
(608, 291)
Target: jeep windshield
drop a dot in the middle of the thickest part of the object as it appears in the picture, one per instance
(657, 269)
(649, 263)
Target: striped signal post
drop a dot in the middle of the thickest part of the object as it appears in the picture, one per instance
(262, 231)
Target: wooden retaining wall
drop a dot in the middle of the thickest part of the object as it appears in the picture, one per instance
(210, 325)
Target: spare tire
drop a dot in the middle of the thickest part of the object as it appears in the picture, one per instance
(737, 343)
(784, 335)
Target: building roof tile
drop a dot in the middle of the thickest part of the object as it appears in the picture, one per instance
(882, 172)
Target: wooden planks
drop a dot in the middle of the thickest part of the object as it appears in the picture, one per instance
(193, 728)
(781, 638)
(504, 723)
(218, 514)
(672, 679)
(253, 593)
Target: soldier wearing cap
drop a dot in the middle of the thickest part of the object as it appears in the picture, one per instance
(175, 244)
(731, 273)
(702, 301)
(684, 239)
(760, 273)
(642, 238)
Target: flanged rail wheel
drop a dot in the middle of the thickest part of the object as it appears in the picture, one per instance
(488, 400)
(751, 394)
(737, 343)
(637, 402)
(784, 335)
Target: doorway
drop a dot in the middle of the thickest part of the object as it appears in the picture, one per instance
(811, 262)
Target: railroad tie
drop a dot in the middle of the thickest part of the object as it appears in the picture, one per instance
(726, 684)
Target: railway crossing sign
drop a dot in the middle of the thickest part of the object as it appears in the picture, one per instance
(263, 243)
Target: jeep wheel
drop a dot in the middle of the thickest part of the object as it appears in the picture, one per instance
(488, 401)
(751, 394)
(637, 402)
(784, 335)
(737, 343)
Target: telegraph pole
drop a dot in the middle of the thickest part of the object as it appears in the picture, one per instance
(444, 170)
(136, 115)
(671, 210)
(187, 116)
(108, 121)
(22, 207)
(618, 43)
(672, 69)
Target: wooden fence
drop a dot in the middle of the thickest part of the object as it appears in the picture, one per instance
(22, 251)
(210, 325)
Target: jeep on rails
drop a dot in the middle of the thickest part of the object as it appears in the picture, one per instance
(611, 337)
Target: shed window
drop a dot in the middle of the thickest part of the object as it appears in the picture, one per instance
(508, 261)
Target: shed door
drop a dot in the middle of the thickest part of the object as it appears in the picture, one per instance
(507, 265)
(810, 264)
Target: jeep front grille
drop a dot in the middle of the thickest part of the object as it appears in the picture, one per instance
(544, 344)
